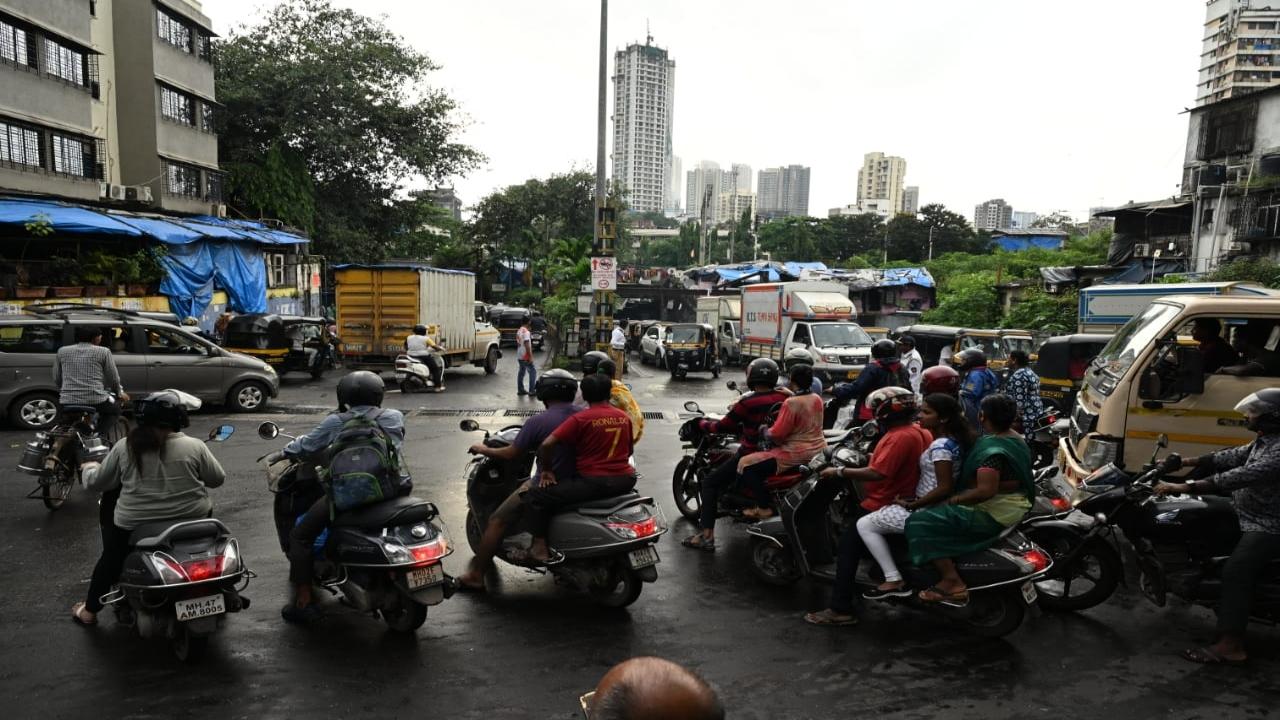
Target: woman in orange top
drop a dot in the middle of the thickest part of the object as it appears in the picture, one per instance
(796, 436)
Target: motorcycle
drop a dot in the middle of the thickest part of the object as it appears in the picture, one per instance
(1181, 543)
(54, 456)
(608, 545)
(384, 558)
(800, 542)
(414, 375)
(1044, 436)
(181, 579)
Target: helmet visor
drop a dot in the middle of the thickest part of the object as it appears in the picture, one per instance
(1253, 405)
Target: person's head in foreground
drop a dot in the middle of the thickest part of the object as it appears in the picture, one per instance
(650, 688)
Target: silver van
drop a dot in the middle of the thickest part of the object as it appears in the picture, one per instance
(150, 354)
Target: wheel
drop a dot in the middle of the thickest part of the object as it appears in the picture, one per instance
(772, 564)
(36, 411)
(404, 387)
(55, 493)
(625, 589)
(248, 396)
(686, 485)
(1087, 581)
(996, 614)
(188, 647)
(644, 359)
(491, 361)
(473, 532)
(406, 617)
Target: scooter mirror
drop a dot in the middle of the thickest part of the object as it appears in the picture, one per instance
(469, 425)
(221, 433)
(268, 430)
(692, 406)
(1162, 440)
(732, 384)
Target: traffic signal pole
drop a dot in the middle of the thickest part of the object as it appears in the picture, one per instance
(603, 299)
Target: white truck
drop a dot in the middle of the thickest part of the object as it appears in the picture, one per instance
(1105, 308)
(816, 316)
(724, 313)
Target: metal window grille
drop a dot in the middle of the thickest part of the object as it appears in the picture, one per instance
(69, 155)
(20, 145)
(17, 45)
(207, 117)
(180, 179)
(177, 106)
(213, 187)
(173, 31)
(63, 62)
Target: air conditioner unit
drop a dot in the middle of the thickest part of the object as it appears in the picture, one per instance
(1142, 250)
(1239, 247)
(104, 189)
(118, 192)
(218, 210)
(137, 193)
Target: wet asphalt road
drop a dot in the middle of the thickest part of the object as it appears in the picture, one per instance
(529, 648)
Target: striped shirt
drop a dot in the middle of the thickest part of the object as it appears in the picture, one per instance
(85, 374)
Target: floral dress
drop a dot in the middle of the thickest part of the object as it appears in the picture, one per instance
(1024, 387)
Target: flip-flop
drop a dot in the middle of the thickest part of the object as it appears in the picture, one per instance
(934, 595)
(827, 617)
(696, 542)
(75, 615)
(1206, 656)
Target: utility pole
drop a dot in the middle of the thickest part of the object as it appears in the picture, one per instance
(930, 242)
(604, 300)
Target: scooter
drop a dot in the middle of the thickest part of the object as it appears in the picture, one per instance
(181, 578)
(799, 543)
(608, 546)
(383, 559)
(414, 375)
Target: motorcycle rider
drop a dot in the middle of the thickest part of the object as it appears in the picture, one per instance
(911, 360)
(600, 437)
(555, 389)
(1251, 473)
(86, 374)
(746, 416)
(597, 363)
(977, 382)
(159, 474)
(359, 393)
(884, 370)
(800, 356)
(422, 348)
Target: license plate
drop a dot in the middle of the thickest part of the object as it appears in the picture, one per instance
(422, 577)
(199, 607)
(1029, 592)
(852, 374)
(644, 557)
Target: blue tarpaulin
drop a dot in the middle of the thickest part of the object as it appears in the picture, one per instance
(62, 218)
(192, 269)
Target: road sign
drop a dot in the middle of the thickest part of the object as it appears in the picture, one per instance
(604, 273)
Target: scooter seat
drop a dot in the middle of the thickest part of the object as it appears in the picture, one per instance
(607, 503)
(76, 409)
(400, 511)
(162, 532)
(782, 481)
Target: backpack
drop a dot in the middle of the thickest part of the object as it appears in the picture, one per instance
(364, 464)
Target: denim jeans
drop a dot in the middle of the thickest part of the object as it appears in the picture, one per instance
(526, 366)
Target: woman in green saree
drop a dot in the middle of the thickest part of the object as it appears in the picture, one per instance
(994, 491)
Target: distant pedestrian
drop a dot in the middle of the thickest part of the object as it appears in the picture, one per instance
(524, 356)
(618, 348)
(911, 360)
(650, 687)
(1023, 386)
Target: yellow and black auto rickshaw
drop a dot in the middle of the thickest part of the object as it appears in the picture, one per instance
(1018, 340)
(1061, 365)
(936, 343)
(691, 347)
(288, 343)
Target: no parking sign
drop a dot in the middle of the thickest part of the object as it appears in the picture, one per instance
(604, 273)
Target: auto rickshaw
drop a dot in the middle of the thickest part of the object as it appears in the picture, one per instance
(288, 343)
(1018, 340)
(877, 333)
(938, 342)
(1061, 365)
(691, 347)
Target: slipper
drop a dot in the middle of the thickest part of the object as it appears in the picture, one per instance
(698, 542)
(302, 616)
(75, 615)
(878, 594)
(934, 595)
(758, 513)
(1206, 656)
(462, 586)
(830, 617)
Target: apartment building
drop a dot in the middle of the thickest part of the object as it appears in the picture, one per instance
(109, 100)
(1240, 52)
(733, 203)
(782, 192)
(643, 98)
(911, 200)
(881, 178)
(993, 215)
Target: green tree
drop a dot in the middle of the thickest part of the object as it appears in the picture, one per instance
(968, 300)
(327, 114)
(1262, 271)
(1038, 310)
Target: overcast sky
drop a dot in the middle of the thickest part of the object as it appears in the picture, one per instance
(1052, 106)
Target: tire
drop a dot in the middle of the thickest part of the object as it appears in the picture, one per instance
(687, 490)
(55, 493)
(473, 532)
(247, 396)
(626, 590)
(996, 614)
(771, 564)
(187, 647)
(491, 361)
(1087, 582)
(406, 617)
(36, 411)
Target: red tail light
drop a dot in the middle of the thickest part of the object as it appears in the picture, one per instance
(1039, 561)
(1061, 503)
(429, 553)
(203, 569)
(634, 530)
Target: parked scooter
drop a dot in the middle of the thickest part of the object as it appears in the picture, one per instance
(383, 559)
(414, 375)
(799, 543)
(181, 578)
(608, 545)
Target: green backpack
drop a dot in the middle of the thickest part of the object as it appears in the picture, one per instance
(364, 464)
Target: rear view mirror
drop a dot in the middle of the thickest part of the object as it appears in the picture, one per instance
(469, 425)
(1150, 387)
(732, 384)
(221, 433)
(692, 407)
(268, 430)
(1162, 440)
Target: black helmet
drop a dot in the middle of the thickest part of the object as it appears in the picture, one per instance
(907, 340)
(1261, 410)
(796, 356)
(360, 388)
(884, 350)
(892, 404)
(591, 362)
(762, 371)
(969, 359)
(556, 385)
(607, 367)
(419, 329)
(166, 408)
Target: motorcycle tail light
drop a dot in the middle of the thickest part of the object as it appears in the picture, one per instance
(169, 570)
(204, 568)
(1061, 503)
(231, 558)
(1037, 559)
(431, 552)
(634, 530)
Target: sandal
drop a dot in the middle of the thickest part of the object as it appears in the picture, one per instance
(1208, 656)
(78, 613)
(699, 542)
(934, 595)
(308, 615)
(759, 513)
(877, 593)
(830, 617)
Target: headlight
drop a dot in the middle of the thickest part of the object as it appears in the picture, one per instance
(1099, 452)
(831, 358)
(268, 369)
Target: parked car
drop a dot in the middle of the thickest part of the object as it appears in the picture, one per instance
(653, 345)
(150, 355)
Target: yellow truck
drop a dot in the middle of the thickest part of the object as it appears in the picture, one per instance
(378, 305)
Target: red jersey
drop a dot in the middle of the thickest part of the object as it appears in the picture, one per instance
(601, 440)
(897, 458)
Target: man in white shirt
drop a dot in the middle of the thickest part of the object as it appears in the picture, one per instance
(524, 356)
(911, 360)
(618, 348)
